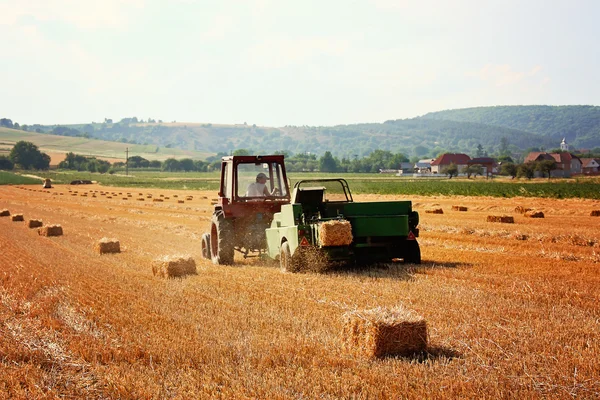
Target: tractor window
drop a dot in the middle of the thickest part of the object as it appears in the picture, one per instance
(252, 180)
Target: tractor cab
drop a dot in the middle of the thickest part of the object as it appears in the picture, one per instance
(252, 190)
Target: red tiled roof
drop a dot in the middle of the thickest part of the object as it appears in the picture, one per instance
(447, 159)
(587, 161)
(538, 155)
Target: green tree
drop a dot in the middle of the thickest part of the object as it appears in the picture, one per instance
(186, 164)
(451, 170)
(327, 163)
(138, 162)
(526, 170)
(473, 170)
(241, 152)
(27, 155)
(545, 167)
(508, 169)
(479, 152)
(504, 146)
(6, 164)
(171, 165)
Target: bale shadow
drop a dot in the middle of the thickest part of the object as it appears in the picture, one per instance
(393, 270)
(431, 354)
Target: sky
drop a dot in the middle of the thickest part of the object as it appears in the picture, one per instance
(283, 62)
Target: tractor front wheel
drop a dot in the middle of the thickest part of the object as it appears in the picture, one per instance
(206, 246)
(221, 239)
(412, 252)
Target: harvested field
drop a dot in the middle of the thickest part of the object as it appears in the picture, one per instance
(511, 310)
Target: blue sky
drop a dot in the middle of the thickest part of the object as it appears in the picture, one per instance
(278, 63)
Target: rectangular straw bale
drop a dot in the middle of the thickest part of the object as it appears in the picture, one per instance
(188, 198)
(140, 199)
(459, 208)
(50, 230)
(34, 223)
(4, 213)
(180, 201)
(172, 266)
(434, 211)
(106, 245)
(381, 332)
(158, 200)
(335, 233)
(534, 214)
(17, 217)
(595, 213)
(505, 219)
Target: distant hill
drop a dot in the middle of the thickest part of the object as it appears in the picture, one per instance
(580, 125)
(462, 130)
(57, 146)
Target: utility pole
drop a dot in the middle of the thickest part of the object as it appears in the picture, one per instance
(126, 161)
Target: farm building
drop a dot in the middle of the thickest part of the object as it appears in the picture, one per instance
(489, 164)
(567, 164)
(590, 165)
(423, 166)
(458, 159)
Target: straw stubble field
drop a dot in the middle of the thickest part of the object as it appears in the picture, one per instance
(511, 309)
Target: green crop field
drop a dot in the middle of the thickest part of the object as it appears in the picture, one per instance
(9, 178)
(359, 184)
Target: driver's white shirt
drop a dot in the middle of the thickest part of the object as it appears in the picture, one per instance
(256, 189)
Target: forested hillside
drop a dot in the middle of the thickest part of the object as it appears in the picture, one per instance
(579, 124)
(493, 130)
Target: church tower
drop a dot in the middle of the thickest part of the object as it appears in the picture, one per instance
(564, 146)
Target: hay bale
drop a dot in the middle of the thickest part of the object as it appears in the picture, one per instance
(4, 213)
(34, 223)
(459, 208)
(505, 219)
(106, 245)
(17, 218)
(534, 214)
(140, 199)
(189, 198)
(157, 200)
(166, 198)
(434, 211)
(595, 213)
(175, 196)
(335, 233)
(172, 266)
(109, 197)
(180, 201)
(381, 332)
(50, 230)
(521, 209)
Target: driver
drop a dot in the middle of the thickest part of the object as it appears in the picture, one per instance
(259, 188)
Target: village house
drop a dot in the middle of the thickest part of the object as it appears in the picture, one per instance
(590, 165)
(567, 164)
(458, 159)
(489, 165)
(423, 166)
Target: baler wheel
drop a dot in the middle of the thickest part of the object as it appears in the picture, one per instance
(413, 252)
(206, 246)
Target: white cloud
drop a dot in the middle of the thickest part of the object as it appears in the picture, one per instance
(282, 52)
(82, 14)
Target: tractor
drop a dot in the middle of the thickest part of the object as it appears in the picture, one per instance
(323, 226)
(242, 214)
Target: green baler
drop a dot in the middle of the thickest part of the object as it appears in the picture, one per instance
(380, 231)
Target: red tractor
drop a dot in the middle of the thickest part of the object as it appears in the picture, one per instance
(253, 189)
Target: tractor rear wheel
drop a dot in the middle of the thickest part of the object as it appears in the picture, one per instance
(221, 239)
(286, 263)
(206, 246)
(412, 253)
